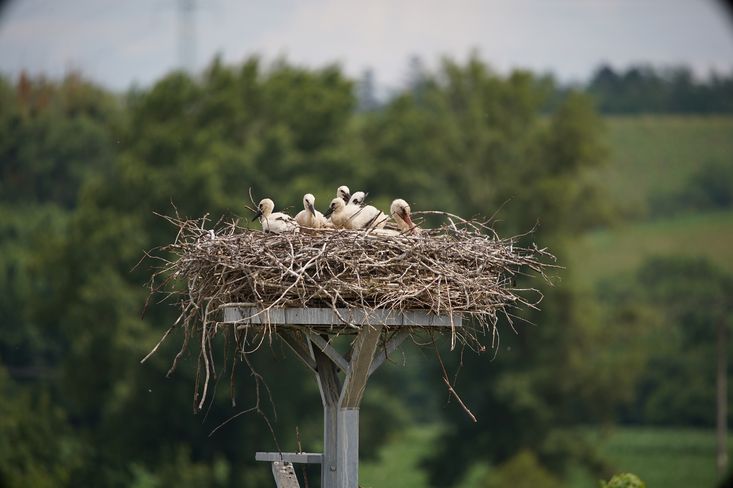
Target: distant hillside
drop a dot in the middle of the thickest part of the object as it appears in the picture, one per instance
(651, 155)
(654, 156)
(621, 249)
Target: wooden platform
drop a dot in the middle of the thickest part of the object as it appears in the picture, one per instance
(328, 319)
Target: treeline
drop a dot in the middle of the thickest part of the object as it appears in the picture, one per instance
(82, 172)
(645, 89)
(639, 89)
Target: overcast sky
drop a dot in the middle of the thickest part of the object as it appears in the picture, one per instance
(137, 41)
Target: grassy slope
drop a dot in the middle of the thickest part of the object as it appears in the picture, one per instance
(656, 154)
(672, 458)
(648, 155)
(399, 460)
(606, 253)
(669, 458)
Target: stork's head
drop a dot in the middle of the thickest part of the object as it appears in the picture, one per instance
(358, 198)
(337, 204)
(401, 212)
(343, 193)
(264, 209)
(309, 202)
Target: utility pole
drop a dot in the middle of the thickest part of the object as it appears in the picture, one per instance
(722, 398)
(187, 35)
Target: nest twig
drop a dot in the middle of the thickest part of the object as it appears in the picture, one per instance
(462, 267)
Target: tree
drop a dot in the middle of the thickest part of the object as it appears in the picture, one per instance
(506, 158)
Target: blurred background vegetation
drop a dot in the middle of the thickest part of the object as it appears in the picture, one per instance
(628, 179)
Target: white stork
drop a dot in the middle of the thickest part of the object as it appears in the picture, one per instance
(400, 211)
(276, 222)
(309, 216)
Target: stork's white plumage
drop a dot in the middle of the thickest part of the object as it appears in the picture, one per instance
(337, 213)
(400, 211)
(366, 217)
(309, 216)
(358, 198)
(276, 222)
(354, 217)
(343, 193)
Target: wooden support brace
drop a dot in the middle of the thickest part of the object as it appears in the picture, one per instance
(329, 350)
(392, 344)
(362, 355)
(299, 345)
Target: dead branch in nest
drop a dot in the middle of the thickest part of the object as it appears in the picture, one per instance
(462, 267)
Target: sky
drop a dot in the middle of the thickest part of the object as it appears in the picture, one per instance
(121, 43)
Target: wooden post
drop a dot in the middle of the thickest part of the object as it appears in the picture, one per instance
(305, 330)
(722, 398)
(362, 356)
(330, 387)
(348, 458)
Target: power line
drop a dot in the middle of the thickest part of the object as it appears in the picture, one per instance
(187, 35)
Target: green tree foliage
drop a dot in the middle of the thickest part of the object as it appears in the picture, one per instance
(521, 471)
(624, 480)
(644, 89)
(507, 156)
(52, 136)
(36, 448)
(683, 299)
(709, 188)
(464, 139)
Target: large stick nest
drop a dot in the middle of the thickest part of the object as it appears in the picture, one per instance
(461, 267)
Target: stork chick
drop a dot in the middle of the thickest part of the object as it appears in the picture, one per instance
(276, 222)
(365, 217)
(309, 216)
(400, 211)
(358, 198)
(344, 193)
(337, 213)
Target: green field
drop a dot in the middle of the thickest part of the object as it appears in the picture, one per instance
(669, 458)
(399, 460)
(657, 154)
(621, 249)
(649, 155)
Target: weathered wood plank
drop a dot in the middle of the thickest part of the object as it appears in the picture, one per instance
(290, 457)
(348, 469)
(327, 316)
(362, 355)
(284, 475)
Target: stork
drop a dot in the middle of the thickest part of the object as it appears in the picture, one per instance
(400, 211)
(337, 213)
(309, 216)
(343, 193)
(276, 222)
(358, 198)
